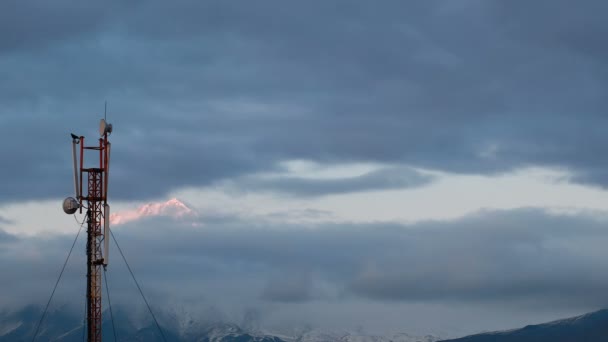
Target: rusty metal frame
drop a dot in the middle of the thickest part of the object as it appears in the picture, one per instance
(95, 203)
(93, 256)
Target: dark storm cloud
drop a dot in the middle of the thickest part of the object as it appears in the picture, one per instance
(205, 91)
(26, 26)
(382, 179)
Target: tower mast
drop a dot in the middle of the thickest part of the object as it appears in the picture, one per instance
(98, 216)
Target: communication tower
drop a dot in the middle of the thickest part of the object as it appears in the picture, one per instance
(97, 215)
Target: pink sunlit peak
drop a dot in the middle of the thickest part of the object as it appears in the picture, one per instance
(171, 208)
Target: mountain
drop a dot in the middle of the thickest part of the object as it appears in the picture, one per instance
(590, 327)
(173, 208)
(61, 326)
(322, 336)
(20, 326)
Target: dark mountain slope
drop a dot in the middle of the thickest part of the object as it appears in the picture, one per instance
(592, 327)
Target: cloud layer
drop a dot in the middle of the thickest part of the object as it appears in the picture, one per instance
(202, 92)
(525, 260)
(383, 178)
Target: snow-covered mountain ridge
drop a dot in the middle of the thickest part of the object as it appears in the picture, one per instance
(172, 208)
(67, 327)
(324, 336)
(62, 326)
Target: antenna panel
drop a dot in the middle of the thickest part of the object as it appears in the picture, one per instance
(106, 233)
(76, 175)
(102, 127)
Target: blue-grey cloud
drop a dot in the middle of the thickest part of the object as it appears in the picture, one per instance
(6, 238)
(289, 288)
(522, 255)
(523, 258)
(389, 178)
(204, 92)
(526, 261)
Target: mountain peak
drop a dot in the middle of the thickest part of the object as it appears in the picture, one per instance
(172, 208)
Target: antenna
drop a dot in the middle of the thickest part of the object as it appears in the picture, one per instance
(70, 205)
(106, 234)
(75, 141)
(107, 169)
(104, 128)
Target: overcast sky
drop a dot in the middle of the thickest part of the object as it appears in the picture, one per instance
(428, 167)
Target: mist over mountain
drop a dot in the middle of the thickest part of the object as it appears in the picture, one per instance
(64, 325)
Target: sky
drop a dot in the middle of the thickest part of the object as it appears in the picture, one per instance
(426, 167)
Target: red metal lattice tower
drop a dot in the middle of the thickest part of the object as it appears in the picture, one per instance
(98, 212)
(94, 256)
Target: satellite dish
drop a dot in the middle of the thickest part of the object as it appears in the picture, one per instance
(70, 205)
(104, 127)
